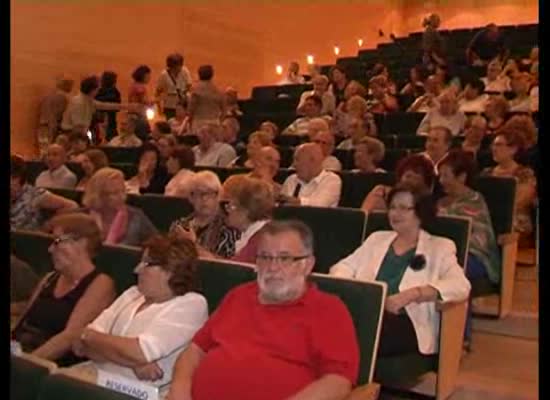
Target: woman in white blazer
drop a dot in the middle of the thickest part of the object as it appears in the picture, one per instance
(419, 269)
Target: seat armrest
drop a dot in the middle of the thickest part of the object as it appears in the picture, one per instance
(370, 391)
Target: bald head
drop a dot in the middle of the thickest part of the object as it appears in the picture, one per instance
(308, 161)
(55, 157)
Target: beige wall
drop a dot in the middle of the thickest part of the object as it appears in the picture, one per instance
(243, 39)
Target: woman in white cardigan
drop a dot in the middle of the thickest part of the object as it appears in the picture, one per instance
(418, 268)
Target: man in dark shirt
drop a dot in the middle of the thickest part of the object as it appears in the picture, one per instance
(486, 46)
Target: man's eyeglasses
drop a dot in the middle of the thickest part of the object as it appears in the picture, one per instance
(64, 238)
(283, 260)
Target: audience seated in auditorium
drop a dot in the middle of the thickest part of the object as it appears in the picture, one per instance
(247, 349)
(474, 132)
(151, 176)
(438, 143)
(357, 128)
(206, 101)
(445, 113)
(78, 144)
(381, 69)
(81, 108)
(105, 200)
(57, 175)
(419, 269)
(338, 82)
(507, 144)
(381, 100)
(230, 129)
(180, 124)
(51, 110)
(256, 141)
(320, 88)
(166, 145)
(525, 125)
(354, 107)
(415, 84)
(415, 170)
(368, 153)
(533, 61)
(267, 162)
(145, 329)
(325, 140)
(207, 224)
(520, 86)
(23, 281)
(271, 128)
(447, 81)
(160, 128)
(179, 166)
(311, 185)
(496, 81)
(433, 44)
(210, 152)
(311, 109)
(292, 76)
(473, 99)
(172, 85)
(496, 111)
(315, 126)
(487, 45)
(68, 298)
(27, 202)
(231, 103)
(126, 133)
(534, 91)
(108, 92)
(427, 101)
(63, 140)
(248, 203)
(91, 161)
(137, 93)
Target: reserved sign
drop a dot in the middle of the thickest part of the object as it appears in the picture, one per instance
(127, 386)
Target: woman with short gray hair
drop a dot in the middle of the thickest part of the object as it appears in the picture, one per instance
(206, 222)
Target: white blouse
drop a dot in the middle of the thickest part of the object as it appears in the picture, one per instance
(163, 330)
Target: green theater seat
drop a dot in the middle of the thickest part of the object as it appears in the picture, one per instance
(356, 186)
(364, 300)
(162, 210)
(26, 377)
(128, 155)
(63, 387)
(338, 231)
(401, 371)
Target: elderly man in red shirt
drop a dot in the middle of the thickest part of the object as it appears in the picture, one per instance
(277, 338)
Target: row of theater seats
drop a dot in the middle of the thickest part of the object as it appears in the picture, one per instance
(364, 300)
(340, 230)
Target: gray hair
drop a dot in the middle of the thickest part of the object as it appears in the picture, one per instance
(275, 227)
(205, 178)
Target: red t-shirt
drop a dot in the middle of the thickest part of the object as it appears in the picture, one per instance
(270, 352)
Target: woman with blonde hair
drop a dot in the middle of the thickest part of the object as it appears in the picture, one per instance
(256, 141)
(69, 297)
(105, 200)
(356, 107)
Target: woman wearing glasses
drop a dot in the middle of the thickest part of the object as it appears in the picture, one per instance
(143, 332)
(419, 269)
(68, 298)
(206, 225)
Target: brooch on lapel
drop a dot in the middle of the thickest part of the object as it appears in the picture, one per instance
(418, 262)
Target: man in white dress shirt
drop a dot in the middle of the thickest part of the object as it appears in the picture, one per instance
(57, 175)
(210, 152)
(325, 140)
(311, 185)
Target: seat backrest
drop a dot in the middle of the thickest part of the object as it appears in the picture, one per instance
(32, 247)
(356, 186)
(364, 300)
(345, 157)
(128, 169)
(392, 157)
(119, 263)
(25, 378)
(71, 194)
(454, 228)
(122, 154)
(337, 231)
(401, 123)
(282, 174)
(500, 197)
(161, 210)
(63, 387)
(34, 168)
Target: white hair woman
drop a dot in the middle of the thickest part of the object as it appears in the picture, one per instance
(206, 223)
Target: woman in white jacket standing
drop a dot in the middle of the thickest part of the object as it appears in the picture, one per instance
(418, 268)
